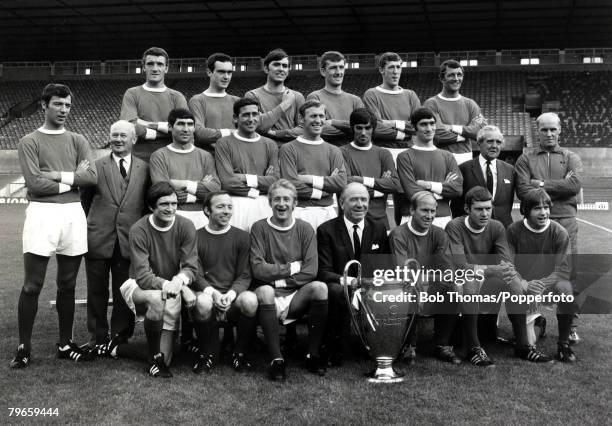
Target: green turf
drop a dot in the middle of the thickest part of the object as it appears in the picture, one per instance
(119, 391)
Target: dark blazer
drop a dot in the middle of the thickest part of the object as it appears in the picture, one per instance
(335, 248)
(113, 206)
(504, 192)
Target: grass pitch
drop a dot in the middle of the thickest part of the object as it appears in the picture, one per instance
(119, 391)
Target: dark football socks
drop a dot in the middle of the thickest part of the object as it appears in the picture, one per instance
(246, 329)
(565, 326)
(269, 325)
(153, 331)
(444, 326)
(317, 317)
(26, 313)
(470, 330)
(519, 326)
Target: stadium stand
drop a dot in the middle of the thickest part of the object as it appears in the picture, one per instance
(583, 98)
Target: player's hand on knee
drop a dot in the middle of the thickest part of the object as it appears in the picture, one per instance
(173, 287)
(535, 287)
(189, 298)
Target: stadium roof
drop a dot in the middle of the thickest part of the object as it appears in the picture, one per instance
(34, 30)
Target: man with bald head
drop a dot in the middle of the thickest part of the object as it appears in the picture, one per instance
(340, 240)
(558, 171)
(112, 207)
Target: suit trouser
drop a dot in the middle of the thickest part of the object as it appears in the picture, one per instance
(122, 318)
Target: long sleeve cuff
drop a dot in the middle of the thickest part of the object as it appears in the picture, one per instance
(225, 132)
(400, 136)
(251, 181)
(280, 283)
(436, 187)
(316, 194)
(162, 126)
(295, 267)
(460, 138)
(318, 182)
(253, 193)
(378, 194)
(151, 135)
(67, 178)
(64, 188)
(400, 125)
(191, 198)
(192, 187)
(457, 129)
(368, 181)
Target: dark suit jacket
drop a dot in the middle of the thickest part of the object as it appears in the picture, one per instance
(335, 248)
(504, 192)
(110, 211)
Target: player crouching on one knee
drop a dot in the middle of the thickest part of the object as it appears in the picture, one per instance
(284, 264)
(541, 250)
(224, 275)
(164, 263)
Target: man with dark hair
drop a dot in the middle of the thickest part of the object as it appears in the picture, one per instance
(541, 250)
(224, 276)
(112, 207)
(339, 240)
(391, 103)
(558, 171)
(147, 106)
(478, 243)
(488, 171)
(370, 164)
(54, 163)
(247, 164)
(315, 167)
(164, 264)
(212, 108)
(284, 264)
(190, 170)
(423, 167)
(458, 118)
(279, 104)
(419, 238)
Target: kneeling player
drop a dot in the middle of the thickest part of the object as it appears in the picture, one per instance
(224, 275)
(284, 263)
(164, 263)
(541, 250)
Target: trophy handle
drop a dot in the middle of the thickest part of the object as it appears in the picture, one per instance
(347, 296)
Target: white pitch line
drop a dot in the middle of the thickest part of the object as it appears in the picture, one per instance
(595, 225)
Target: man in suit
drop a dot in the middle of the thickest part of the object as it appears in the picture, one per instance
(488, 171)
(112, 206)
(340, 240)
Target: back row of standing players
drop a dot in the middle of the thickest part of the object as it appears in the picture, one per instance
(229, 126)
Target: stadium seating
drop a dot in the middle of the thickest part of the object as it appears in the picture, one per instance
(584, 99)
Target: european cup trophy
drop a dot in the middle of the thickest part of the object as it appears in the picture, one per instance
(381, 312)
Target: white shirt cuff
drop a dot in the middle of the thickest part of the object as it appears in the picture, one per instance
(225, 132)
(400, 136)
(253, 193)
(295, 267)
(151, 135)
(64, 188)
(251, 181)
(191, 198)
(316, 194)
(67, 178)
(183, 278)
(192, 187)
(436, 187)
(280, 283)
(457, 129)
(318, 182)
(162, 126)
(400, 125)
(460, 138)
(378, 194)
(368, 181)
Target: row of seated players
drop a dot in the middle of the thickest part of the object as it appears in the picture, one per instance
(459, 118)
(283, 270)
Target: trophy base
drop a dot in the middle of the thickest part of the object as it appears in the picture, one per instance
(385, 375)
